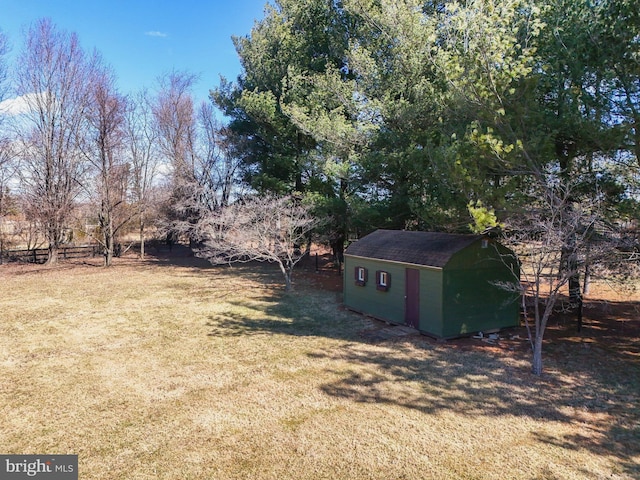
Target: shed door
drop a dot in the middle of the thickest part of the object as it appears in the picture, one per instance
(412, 297)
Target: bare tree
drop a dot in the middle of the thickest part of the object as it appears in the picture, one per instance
(7, 201)
(52, 78)
(6, 150)
(141, 143)
(175, 123)
(104, 150)
(203, 171)
(216, 171)
(265, 229)
(551, 228)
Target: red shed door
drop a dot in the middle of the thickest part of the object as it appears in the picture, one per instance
(412, 298)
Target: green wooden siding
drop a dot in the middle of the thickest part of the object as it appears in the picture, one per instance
(386, 305)
(431, 310)
(472, 302)
(390, 305)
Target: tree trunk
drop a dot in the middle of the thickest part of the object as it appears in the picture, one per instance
(337, 246)
(287, 273)
(636, 129)
(574, 289)
(586, 283)
(108, 250)
(142, 237)
(108, 256)
(106, 222)
(569, 266)
(536, 363)
(52, 254)
(541, 320)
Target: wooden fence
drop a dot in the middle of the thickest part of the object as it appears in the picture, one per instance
(39, 255)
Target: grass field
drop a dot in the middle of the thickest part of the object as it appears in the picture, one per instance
(155, 370)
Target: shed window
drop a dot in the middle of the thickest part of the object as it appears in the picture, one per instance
(383, 280)
(361, 276)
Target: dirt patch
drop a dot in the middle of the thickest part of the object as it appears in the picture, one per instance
(320, 270)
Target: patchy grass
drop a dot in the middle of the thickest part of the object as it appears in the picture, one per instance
(165, 371)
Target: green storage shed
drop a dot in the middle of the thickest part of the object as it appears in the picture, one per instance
(445, 285)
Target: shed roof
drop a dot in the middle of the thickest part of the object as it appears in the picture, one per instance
(420, 248)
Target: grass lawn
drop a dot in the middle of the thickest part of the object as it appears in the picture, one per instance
(155, 370)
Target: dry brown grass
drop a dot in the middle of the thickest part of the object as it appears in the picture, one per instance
(161, 371)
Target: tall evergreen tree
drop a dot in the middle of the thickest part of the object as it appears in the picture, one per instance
(295, 46)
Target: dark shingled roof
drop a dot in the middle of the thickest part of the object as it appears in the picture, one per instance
(420, 248)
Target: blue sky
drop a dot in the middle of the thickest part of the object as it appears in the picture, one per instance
(142, 39)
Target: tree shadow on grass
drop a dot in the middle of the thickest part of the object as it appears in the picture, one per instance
(177, 255)
(272, 311)
(585, 385)
(481, 383)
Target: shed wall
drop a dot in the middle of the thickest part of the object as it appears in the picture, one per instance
(385, 305)
(390, 305)
(472, 301)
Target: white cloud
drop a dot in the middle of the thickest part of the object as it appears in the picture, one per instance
(16, 106)
(155, 33)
